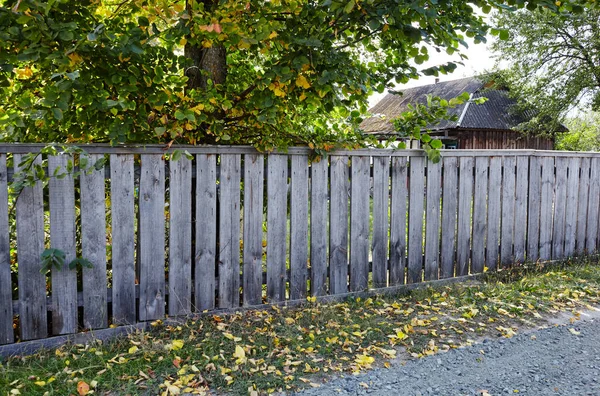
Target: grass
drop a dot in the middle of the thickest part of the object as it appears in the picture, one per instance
(259, 352)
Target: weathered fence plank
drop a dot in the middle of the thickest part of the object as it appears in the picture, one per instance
(449, 211)
(533, 215)
(521, 209)
(254, 166)
(582, 205)
(359, 224)
(318, 227)
(299, 227)
(546, 208)
(398, 208)
(479, 214)
(180, 237)
(465, 201)
(276, 226)
(432, 220)
(6, 312)
(381, 224)
(338, 226)
(93, 245)
(229, 231)
(508, 211)
(560, 209)
(206, 231)
(593, 202)
(62, 237)
(571, 203)
(493, 218)
(415, 219)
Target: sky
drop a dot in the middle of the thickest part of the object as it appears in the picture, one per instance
(480, 60)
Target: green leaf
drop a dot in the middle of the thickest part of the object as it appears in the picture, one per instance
(436, 144)
(160, 131)
(504, 35)
(57, 113)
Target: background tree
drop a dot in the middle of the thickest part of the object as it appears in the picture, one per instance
(583, 134)
(554, 62)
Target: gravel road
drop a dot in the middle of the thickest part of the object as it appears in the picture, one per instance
(562, 360)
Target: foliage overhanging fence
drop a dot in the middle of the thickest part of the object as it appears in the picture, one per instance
(234, 227)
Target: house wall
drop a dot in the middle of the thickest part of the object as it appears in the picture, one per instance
(502, 140)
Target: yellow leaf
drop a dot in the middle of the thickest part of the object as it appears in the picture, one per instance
(232, 337)
(24, 74)
(278, 92)
(177, 345)
(239, 354)
(133, 349)
(83, 388)
(574, 332)
(290, 321)
(273, 35)
(502, 311)
(183, 41)
(301, 81)
(40, 383)
(15, 392)
(364, 360)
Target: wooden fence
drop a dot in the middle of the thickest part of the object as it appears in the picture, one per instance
(234, 227)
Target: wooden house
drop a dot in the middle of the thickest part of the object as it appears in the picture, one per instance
(484, 126)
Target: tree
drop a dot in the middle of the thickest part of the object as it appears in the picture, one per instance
(583, 134)
(267, 73)
(554, 62)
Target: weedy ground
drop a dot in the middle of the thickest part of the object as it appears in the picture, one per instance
(265, 351)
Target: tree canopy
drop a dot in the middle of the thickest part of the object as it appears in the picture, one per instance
(554, 60)
(267, 73)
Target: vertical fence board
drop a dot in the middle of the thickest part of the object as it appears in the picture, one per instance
(381, 195)
(359, 224)
(546, 208)
(62, 236)
(6, 310)
(398, 221)
(508, 211)
(338, 226)
(521, 208)
(276, 226)
(30, 242)
(533, 214)
(582, 205)
(593, 202)
(465, 200)
(93, 245)
(432, 224)
(449, 211)
(180, 237)
(560, 208)
(254, 166)
(415, 219)
(493, 218)
(571, 209)
(299, 227)
(206, 231)
(229, 231)
(123, 238)
(318, 227)
(479, 214)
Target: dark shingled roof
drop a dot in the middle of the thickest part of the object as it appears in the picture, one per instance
(494, 114)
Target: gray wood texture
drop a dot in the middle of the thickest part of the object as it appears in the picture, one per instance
(359, 224)
(6, 312)
(571, 203)
(582, 205)
(123, 238)
(299, 228)
(592, 212)
(508, 211)
(560, 208)
(479, 214)
(449, 213)
(533, 212)
(62, 236)
(319, 196)
(254, 168)
(180, 237)
(338, 226)
(30, 245)
(398, 209)
(521, 208)
(381, 223)
(93, 245)
(432, 220)
(465, 203)
(415, 219)
(493, 218)
(546, 208)
(229, 231)
(277, 178)
(205, 256)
